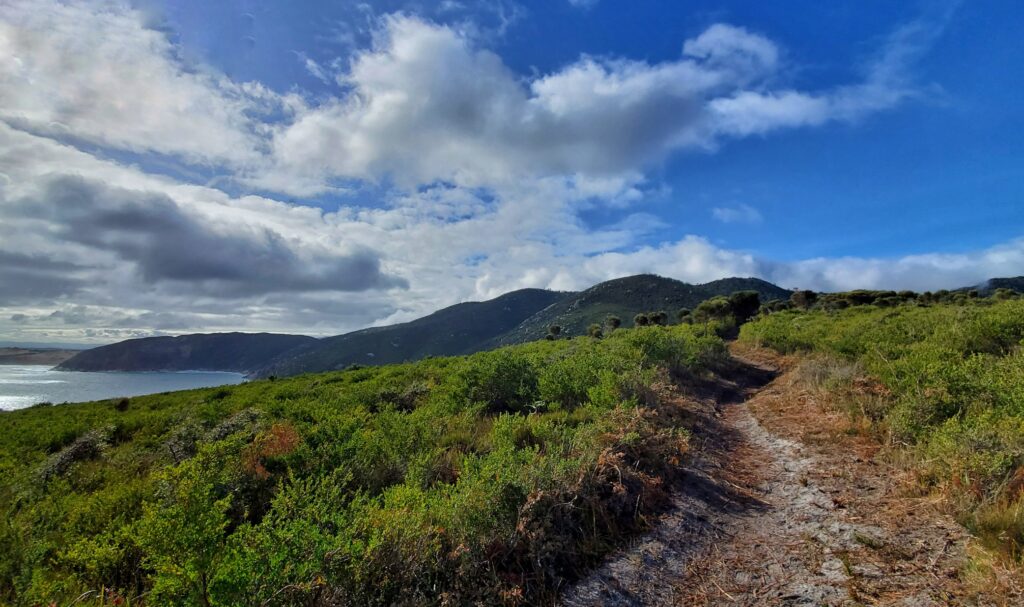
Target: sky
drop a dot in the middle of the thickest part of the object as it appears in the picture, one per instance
(318, 167)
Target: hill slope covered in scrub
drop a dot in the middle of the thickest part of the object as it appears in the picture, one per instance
(514, 318)
(460, 329)
(517, 317)
(486, 479)
(237, 352)
(627, 297)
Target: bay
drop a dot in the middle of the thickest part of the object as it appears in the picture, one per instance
(25, 385)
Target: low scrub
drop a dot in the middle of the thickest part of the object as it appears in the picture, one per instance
(946, 385)
(487, 479)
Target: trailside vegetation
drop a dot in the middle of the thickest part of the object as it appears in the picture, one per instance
(486, 479)
(944, 382)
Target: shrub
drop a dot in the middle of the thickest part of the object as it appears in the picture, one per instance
(503, 380)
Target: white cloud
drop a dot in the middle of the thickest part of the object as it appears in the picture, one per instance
(493, 171)
(96, 73)
(427, 104)
(743, 213)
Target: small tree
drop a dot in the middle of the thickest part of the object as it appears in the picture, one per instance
(658, 318)
(641, 320)
(685, 315)
(803, 299)
(744, 305)
(595, 330)
(555, 330)
(613, 322)
(716, 308)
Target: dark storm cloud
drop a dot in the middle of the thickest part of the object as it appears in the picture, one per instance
(26, 278)
(166, 243)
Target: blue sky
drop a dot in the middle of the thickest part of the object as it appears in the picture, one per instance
(943, 173)
(322, 166)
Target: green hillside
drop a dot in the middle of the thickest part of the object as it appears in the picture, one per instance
(459, 329)
(627, 297)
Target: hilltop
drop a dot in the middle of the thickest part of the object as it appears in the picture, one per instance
(627, 297)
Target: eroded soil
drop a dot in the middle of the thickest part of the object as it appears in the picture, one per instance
(784, 505)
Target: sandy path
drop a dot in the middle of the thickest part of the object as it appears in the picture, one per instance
(793, 511)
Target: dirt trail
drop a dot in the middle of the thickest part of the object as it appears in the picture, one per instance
(789, 510)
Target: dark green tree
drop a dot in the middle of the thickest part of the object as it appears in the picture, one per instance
(744, 305)
(613, 322)
(595, 330)
(716, 308)
(641, 320)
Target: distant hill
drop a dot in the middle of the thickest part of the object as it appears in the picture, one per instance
(459, 329)
(237, 352)
(1014, 284)
(515, 317)
(35, 356)
(627, 297)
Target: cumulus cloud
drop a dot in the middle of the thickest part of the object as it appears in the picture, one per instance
(95, 72)
(167, 243)
(427, 104)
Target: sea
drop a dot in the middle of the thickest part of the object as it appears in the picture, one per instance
(25, 385)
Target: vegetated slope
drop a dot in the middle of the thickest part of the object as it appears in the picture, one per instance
(35, 356)
(945, 383)
(460, 329)
(237, 352)
(627, 297)
(1014, 284)
(488, 479)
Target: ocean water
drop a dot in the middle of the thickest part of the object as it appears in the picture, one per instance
(25, 385)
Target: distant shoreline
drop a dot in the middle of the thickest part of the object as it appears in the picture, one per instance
(35, 356)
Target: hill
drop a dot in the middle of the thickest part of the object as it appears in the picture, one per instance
(35, 356)
(627, 297)
(1015, 283)
(516, 317)
(237, 352)
(460, 329)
